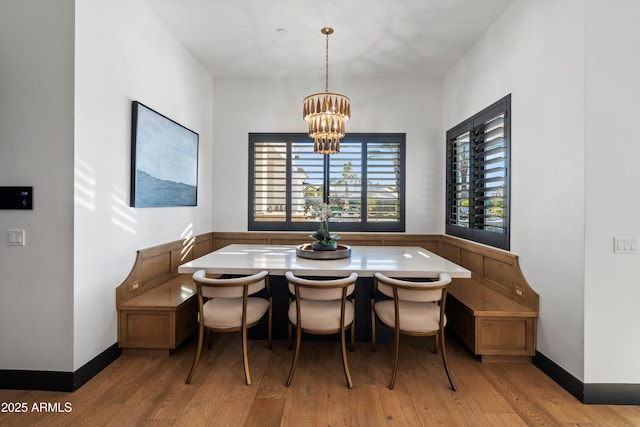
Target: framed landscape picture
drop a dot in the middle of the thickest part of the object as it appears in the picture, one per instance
(164, 160)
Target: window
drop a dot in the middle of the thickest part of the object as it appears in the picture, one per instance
(478, 152)
(363, 183)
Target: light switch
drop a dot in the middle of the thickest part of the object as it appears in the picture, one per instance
(17, 238)
(625, 244)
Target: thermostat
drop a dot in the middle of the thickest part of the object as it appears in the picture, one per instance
(16, 197)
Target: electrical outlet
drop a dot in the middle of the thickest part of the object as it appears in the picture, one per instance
(519, 292)
(134, 286)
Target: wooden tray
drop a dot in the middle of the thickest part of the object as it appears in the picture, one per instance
(305, 251)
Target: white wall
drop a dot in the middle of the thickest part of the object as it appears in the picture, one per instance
(413, 106)
(36, 149)
(124, 53)
(612, 288)
(572, 69)
(535, 51)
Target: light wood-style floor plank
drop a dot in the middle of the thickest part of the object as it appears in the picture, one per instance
(150, 391)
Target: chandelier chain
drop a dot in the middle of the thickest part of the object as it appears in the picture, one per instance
(326, 66)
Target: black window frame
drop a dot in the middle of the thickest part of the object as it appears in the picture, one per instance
(475, 231)
(356, 226)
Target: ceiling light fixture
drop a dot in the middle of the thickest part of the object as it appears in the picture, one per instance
(326, 112)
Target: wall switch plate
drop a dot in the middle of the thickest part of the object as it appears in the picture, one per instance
(17, 238)
(625, 244)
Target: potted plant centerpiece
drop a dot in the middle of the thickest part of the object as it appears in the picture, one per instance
(325, 241)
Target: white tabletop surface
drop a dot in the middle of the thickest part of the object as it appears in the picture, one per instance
(396, 261)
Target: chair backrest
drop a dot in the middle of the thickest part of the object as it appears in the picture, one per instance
(323, 290)
(414, 291)
(229, 288)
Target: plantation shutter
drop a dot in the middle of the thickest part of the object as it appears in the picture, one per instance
(383, 182)
(363, 183)
(490, 175)
(477, 187)
(307, 181)
(270, 181)
(345, 183)
(458, 188)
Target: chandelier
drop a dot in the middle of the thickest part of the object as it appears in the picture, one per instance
(326, 112)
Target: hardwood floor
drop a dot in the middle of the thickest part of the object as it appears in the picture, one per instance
(150, 391)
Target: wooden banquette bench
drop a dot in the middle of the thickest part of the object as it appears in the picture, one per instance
(494, 313)
(157, 307)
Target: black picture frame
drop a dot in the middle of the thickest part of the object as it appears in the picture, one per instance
(164, 160)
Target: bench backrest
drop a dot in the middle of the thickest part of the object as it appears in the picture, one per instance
(158, 264)
(494, 268)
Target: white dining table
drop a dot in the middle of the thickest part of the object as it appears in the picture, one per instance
(395, 261)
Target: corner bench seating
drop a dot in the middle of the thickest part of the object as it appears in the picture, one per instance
(157, 307)
(494, 313)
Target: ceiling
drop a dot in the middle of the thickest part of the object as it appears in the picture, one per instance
(372, 38)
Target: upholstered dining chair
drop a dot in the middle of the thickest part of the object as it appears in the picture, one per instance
(229, 308)
(321, 307)
(415, 308)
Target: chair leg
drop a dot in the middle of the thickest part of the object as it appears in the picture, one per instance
(352, 328)
(197, 355)
(352, 336)
(396, 351)
(345, 363)
(245, 356)
(270, 326)
(444, 360)
(295, 355)
(436, 341)
(209, 339)
(289, 329)
(373, 327)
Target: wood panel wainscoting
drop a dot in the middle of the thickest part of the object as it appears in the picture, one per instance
(494, 312)
(157, 307)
